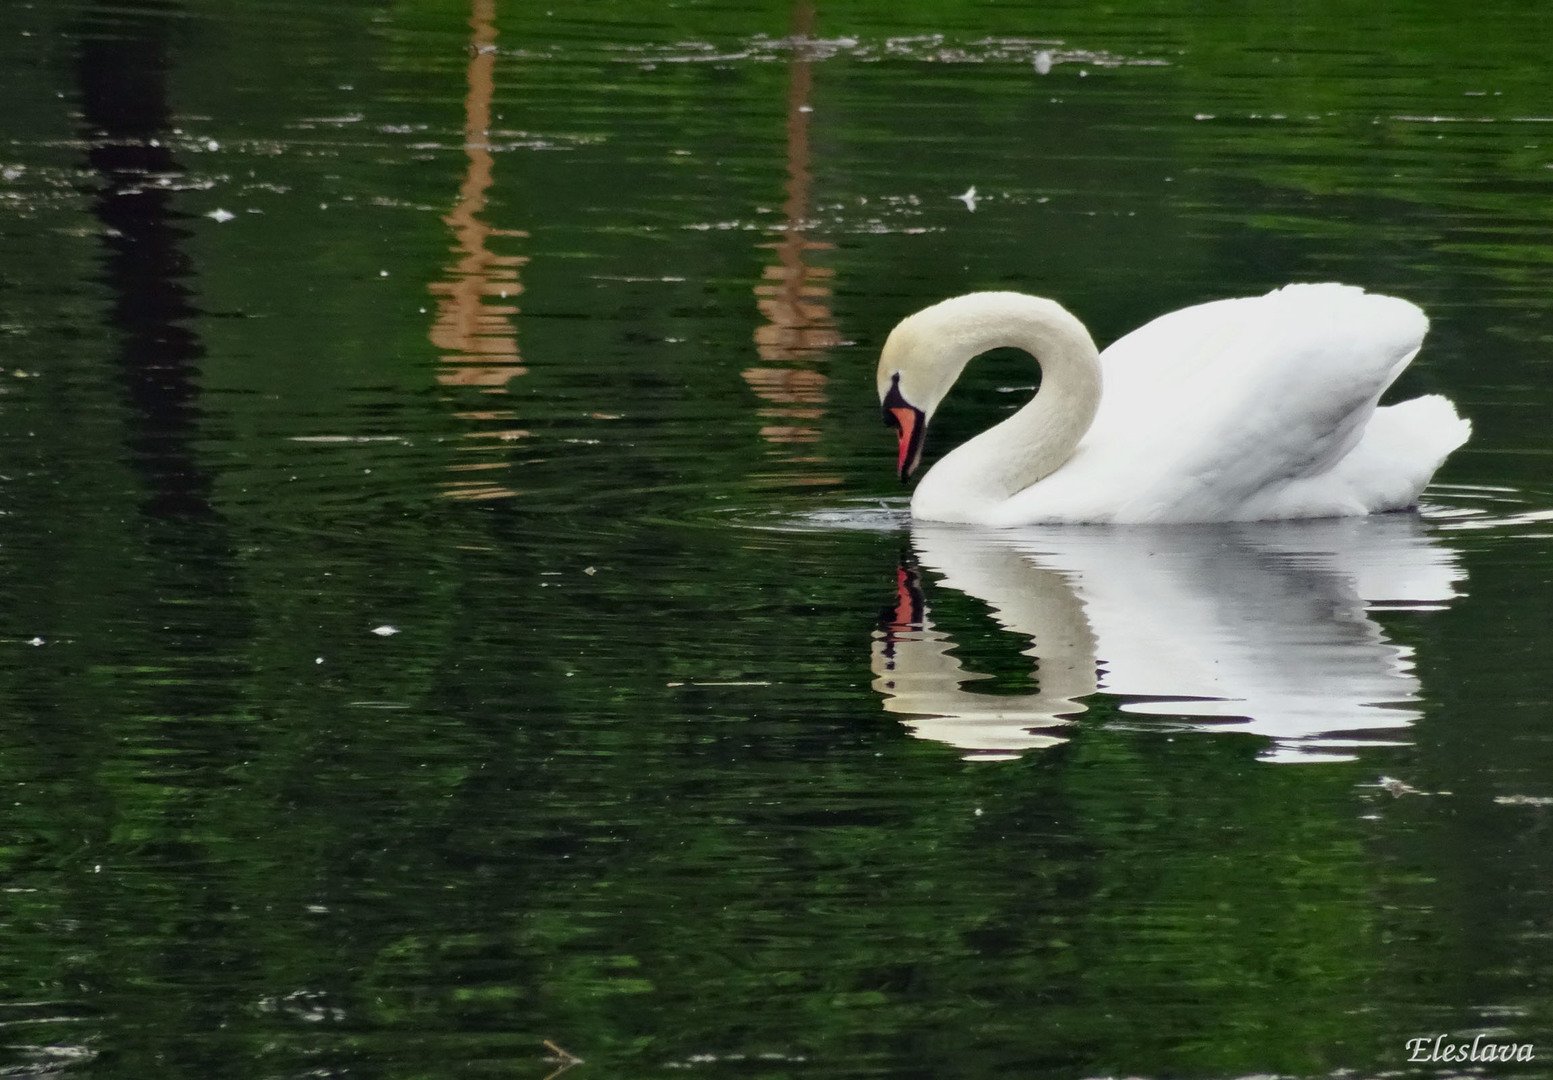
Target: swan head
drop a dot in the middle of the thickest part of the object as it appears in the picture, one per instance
(924, 355)
(914, 375)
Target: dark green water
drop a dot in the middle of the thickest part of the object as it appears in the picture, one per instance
(544, 336)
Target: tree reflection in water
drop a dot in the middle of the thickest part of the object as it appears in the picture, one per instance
(793, 297)
(475, 323)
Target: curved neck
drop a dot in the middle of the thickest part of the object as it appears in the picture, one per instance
(1010, 456)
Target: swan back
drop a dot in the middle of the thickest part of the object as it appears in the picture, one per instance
(1244, 409)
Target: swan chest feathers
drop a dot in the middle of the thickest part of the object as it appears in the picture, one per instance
(1238, 410)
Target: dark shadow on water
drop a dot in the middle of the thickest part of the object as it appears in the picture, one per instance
(180, 552)
(127, 123)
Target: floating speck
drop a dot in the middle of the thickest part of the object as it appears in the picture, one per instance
(385, 630)
(318, 659)
(968, 197)
(382, 273)
(221, 216)
(36, 642)
(590, 571)
(1043, 63)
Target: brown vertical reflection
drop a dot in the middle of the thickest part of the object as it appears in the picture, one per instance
(794, 297)
(475, 325)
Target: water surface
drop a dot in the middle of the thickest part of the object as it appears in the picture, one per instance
(456, 594)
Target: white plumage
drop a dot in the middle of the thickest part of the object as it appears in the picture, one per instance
(1237, 410)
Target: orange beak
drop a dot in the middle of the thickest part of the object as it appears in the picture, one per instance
(910, 427)
(904, 417)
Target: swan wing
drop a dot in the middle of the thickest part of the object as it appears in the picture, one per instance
(1210, 412)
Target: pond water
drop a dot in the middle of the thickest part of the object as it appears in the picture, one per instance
(456, 594)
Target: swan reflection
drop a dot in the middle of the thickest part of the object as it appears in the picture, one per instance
(1262, 628)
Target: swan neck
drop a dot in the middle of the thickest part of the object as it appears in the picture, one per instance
(1040, 437)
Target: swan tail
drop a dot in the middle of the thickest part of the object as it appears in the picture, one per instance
(1395, 458)
(1402, 448)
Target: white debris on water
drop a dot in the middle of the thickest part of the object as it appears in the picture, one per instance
(968, 197)
(35, 642)
(727, 682)
(328, 439)
(385, 630)
(923, 48)
(1043, 62)
(221, 216)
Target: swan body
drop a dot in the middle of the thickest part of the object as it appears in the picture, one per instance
(1261, 408)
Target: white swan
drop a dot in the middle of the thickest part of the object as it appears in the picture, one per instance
(1237, 410)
